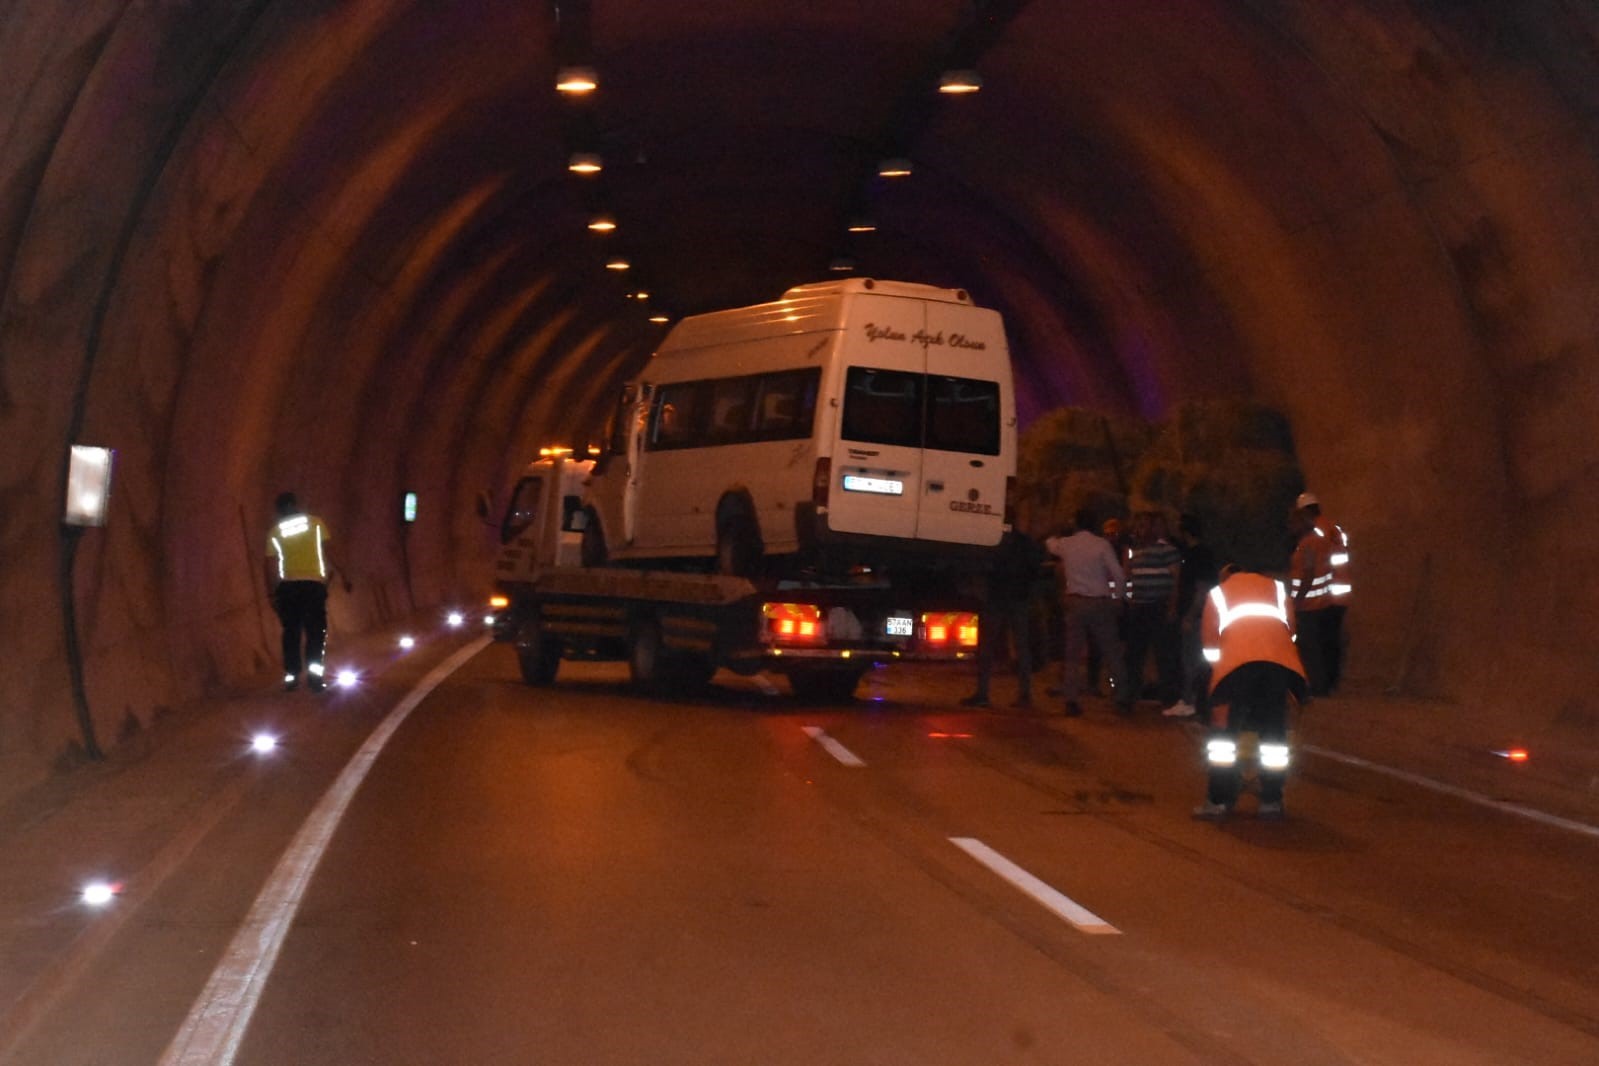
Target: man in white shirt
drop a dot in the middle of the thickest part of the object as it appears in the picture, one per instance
(1093, 584)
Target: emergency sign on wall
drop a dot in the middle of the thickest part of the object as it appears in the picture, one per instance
(408, 508)
(88, 486)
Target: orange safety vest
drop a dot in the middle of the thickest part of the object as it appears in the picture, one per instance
(1342, 588)
(1312, 564)
(1249, 618)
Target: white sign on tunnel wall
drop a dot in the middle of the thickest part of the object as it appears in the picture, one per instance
(88, 486)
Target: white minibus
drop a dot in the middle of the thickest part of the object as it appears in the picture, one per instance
(862, 421)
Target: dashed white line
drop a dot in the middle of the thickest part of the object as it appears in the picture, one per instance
(1502, 806)
(833, 747)
(215, 1027)
(1061, 905)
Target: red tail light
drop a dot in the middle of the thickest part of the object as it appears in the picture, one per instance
(793, 623)
(950, 627)
(822, 481)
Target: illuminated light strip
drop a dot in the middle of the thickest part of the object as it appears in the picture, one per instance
(1062, 906)
(321, 563)
(833, 747)
(881, 485)
(216, 1024)
(1554, 821)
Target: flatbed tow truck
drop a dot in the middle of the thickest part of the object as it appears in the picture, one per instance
(675, 628)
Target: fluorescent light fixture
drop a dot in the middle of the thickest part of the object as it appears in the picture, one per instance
(576, 81)
(882, 486)
(618, 264)
(956, 82)
(862, 225)
(659, 318)
(894, 168)
(585, 163)
(88, 485)
(842, 265)
(641, 295)
(602, 224)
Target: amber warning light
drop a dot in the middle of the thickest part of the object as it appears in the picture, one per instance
(1513, 754)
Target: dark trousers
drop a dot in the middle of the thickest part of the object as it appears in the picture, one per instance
(1312, 641)
(302, 607)
(1002, 620)
(1332, 644)
(1148, 629)
(1256, 701)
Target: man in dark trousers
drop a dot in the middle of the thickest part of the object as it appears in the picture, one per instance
(1007, 610)
(298, 565)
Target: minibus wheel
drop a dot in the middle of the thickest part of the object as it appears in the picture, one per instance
(738, 547)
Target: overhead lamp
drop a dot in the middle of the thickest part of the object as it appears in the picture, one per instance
(585, 163)
(602, 224)
(640, 295)
(843, 264)
(956, 82)
(618, 264)
(894, 168)
(862, 225)
(575, 81)
(660, 318)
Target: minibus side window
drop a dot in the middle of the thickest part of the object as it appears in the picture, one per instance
(883, 407)
(732, 407)
(677, 419)
(963, 415)
(786, 407)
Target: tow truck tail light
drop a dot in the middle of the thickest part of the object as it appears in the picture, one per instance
(950, 629)
(499, 603)
(821, 481)
(793, 623)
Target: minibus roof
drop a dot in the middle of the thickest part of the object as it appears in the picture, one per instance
(802, 309)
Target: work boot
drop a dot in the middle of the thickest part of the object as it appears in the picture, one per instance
(290, 682)
(1181, 709)
(1210, 811)
(1271, 811)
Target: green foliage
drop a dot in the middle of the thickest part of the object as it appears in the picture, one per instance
(1229, 462)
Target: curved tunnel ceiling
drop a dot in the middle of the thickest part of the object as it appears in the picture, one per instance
(335, 246)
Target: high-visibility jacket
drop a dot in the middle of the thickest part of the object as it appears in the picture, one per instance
(1312, 566)
(1249, 618)
(299, 545)
(1337, 542)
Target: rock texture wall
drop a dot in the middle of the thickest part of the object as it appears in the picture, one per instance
(332, 246)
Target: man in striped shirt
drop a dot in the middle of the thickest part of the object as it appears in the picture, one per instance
(1153, 565)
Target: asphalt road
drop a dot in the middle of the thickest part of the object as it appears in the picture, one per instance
(582, 875)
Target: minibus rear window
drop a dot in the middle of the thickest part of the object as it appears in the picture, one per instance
(883, 407)
(963, 415)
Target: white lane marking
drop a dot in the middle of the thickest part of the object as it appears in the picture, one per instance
(1063, 906)
(215, 1027)
(1502, 806)
(833, 747)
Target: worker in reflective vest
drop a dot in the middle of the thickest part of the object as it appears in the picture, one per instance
(298, 565)
(1248, 634)
(1340, 588)
(1310, 578)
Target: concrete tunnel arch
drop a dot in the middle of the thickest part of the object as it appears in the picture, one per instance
(273, 243)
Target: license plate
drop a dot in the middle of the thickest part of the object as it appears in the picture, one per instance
(897, 626)
(881, 485)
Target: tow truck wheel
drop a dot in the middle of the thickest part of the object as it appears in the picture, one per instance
(644, 653)
(538, 655)
(825, 686)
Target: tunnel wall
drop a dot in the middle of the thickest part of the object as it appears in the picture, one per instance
(327, 247)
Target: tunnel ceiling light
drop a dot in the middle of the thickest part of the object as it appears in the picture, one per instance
(618, 264)
(585, 163)
(602, 224)
(576, 81)
(640, 295)
(894, 168)
(862, 225)
(958, 82)
(842, 265)
(659, 318)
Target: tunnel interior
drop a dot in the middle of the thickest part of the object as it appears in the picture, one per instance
(337, 248)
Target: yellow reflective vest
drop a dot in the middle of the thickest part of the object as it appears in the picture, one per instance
(299, 544)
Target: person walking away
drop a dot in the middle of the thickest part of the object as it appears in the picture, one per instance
(1248, 633)
(1311, 579)
(1153, 566)
(298, 566)
(1007, 614)
(1341, 591)
(1196, 577)
(1091, 584)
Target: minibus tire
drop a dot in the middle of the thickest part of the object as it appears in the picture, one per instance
(738, 550)
(538, 656)
(825, 686)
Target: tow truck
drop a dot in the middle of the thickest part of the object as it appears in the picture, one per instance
(675, 628)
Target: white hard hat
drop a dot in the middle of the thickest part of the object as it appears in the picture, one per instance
(1306, 499)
